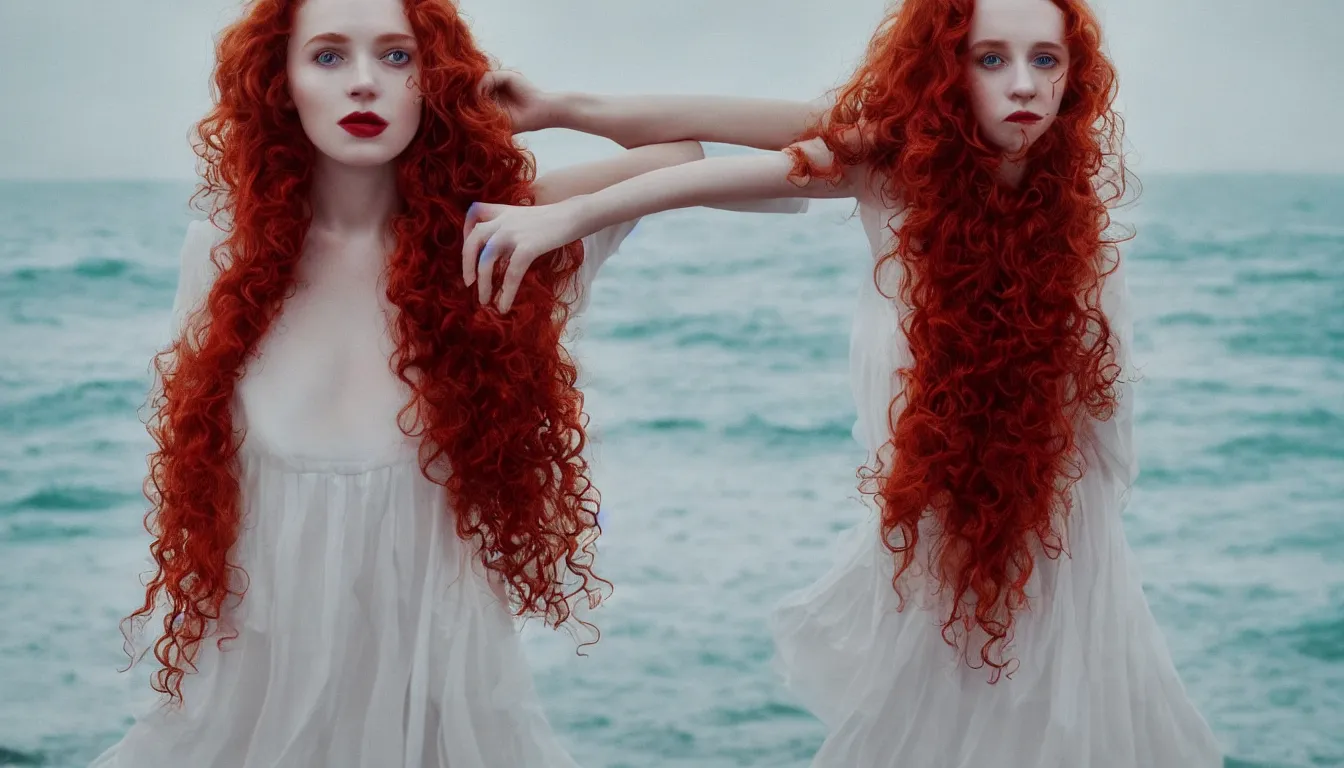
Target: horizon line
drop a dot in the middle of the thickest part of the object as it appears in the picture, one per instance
(197, 179)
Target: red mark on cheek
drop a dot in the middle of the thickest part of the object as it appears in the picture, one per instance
(1054, 85)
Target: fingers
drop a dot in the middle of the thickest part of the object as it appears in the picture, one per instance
(476, 231)
(485, 243)
(490, 82)
(495, 249)
(496, 80)
(519, 261)
(478, 212)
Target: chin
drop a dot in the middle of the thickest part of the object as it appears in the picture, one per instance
(1019, 140)
(362, 157)
(1010, 145)
(367, 160)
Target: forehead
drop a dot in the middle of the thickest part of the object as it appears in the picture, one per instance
(1017, 21)
(352, 18)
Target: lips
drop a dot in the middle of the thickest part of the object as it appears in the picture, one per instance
(1023, 117)
(364, 125)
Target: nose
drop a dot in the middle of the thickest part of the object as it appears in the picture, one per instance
(363, 86)
(1024, 83)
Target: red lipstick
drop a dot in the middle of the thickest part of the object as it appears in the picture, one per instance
(364, 125)
(1023, 117)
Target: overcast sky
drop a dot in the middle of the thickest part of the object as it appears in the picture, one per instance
(101, 88)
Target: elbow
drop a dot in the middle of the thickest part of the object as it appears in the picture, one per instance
(813, 159)
(668, 154)
(687, 151)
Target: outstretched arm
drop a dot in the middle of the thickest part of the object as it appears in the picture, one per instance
(494, 233)
(636, 121)
(586, 178)
(633, 121)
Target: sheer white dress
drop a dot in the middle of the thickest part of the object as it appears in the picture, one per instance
(369, 636)
(1096, 686)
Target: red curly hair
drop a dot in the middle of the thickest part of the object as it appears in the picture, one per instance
(1010, 347)
(500, 422)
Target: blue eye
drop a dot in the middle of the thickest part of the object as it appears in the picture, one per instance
(991, 60)
(402, 57)
(1045, 61)
(326, 58)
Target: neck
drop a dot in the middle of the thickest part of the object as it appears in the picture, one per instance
(1011, 171)
(348, 199)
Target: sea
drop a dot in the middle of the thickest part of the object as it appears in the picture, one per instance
(714, 356)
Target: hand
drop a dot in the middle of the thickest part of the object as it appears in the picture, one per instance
(520, 234)
(529, 108)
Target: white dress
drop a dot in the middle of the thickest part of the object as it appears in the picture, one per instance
(370, 636)
(1096, 686)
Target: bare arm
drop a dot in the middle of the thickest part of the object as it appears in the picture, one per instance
(523, 234)
(706, 182)
(586, 178)
(636, 121)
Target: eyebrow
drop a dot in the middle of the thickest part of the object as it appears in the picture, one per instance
(338, 39)
(1049, 45)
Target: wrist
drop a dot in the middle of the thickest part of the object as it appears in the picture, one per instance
(584, 215)
(570, 110)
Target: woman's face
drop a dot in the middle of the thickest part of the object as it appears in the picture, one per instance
(354, 76)
(1017, 69)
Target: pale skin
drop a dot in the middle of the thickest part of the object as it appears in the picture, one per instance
(1017, 63)
(348, 56)
(636, 121)
(360, 57)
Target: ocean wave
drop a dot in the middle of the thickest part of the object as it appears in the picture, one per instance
(1281, 277)
(830, 431)
(44, 530)
(1289, 339)
(1268, 446)
(16, 758)
(68, 498)
(662, 425)
(1168, 245)
(1156, 476)
(752, 429)
(1187, 318)
(1317, 639)
(88, 269)
(761, 335)
(1224, 387)
(106, 277)
(73, 404)
(1315, 418)
(764, 712)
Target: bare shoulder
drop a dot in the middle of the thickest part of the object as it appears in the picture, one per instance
(201, 238)
(197, 270)
(195, 260)
(877, 188)
(853, 144)
(203, 231)
(865, 183)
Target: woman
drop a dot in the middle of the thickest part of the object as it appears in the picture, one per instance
(361, 475)
(991, 612)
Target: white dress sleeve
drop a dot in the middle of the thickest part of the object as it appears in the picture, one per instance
(1115, 436)
(601, 245)
(196, 272)
(597, 248)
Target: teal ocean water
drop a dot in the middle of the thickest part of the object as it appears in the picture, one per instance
(715, 354)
